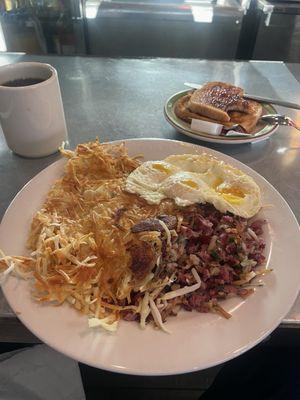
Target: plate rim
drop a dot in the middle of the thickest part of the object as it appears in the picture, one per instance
(130, 371)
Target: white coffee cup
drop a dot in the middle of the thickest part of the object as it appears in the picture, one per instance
(32, 117)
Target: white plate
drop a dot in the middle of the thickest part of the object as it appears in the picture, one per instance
(198, 340)
(262, 131)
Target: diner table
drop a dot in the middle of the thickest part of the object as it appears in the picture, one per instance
(124, 98)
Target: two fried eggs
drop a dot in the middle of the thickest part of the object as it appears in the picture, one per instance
(190, 179)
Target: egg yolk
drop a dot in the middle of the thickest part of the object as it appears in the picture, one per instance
(233, 191)
(190, 183)
(232, 195)
(232, 198)
(217, 182)
(161, 168)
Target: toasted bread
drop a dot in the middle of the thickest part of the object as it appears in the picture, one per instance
(215, 99)
(246, 121)
(182, 111)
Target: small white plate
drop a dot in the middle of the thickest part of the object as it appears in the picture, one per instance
(197, 341)
(262, 131)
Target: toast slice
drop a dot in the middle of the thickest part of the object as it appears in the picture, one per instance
(246, 121)
(215, 99)
(183, 112)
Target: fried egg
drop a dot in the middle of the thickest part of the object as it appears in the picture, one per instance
(146, 180)
(191, 179)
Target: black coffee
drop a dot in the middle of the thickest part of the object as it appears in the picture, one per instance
(23, 82)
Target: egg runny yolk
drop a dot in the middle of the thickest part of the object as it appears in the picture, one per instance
(161, 168)
(190, 183)
(233, 195)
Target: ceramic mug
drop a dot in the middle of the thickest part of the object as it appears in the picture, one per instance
(32, 117)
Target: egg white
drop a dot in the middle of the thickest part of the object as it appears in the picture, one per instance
(185, 188)
(147, 178)
(190, 179)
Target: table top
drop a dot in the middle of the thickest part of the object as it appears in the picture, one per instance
(124, 98)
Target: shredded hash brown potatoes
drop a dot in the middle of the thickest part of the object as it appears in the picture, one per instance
(112, 256)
